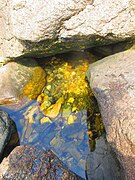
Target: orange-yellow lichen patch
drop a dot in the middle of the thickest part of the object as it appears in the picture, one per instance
(36, 84)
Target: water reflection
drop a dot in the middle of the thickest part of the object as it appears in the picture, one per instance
(68, 141)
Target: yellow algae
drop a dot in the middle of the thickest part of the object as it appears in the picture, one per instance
(99, 127)
(68, 80)
(45, 120)
(48, 87)
(45, 103)
(37, 82)
(70, 100)
(40, 98)
(71, 119)
(54, 109)
(74, 109)
(73, 73)
(89, 133)
(67, 91)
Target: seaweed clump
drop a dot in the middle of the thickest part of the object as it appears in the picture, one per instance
(67, 92)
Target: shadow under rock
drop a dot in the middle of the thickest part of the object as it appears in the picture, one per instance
(9, 135)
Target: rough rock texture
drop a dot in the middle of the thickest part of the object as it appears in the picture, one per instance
(102, 163)
(113, 83)
(49, 27)
(30, 163)
(8, 134)
(25, 78)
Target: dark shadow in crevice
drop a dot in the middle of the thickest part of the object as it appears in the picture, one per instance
(9, 135)
(107, 50)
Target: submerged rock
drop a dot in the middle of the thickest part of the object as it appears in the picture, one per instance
(51, 27)
(102, 163)
(112, 80)
(26, 162)
(19, 79)
(8, 134)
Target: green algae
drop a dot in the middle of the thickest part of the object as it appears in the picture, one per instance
(51, 47)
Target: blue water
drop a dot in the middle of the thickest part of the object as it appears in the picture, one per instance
(68, 141)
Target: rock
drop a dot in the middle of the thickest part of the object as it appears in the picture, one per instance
(30, 163)
(21, 79)
(107, 50)
(50, 27)
(102, 163)
(112, 81)
(8, 134)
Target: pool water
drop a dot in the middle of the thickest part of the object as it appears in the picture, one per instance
(69, 142)
(59, 119)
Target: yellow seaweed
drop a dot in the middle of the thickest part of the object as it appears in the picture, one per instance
(71, 119)
(45, 120)
(71, 100)
(35, 85)
(67, 91)
(54, 109)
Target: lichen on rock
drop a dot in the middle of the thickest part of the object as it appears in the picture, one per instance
(20, 78)
(34, 87)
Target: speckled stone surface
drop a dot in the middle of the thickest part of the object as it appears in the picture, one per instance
(30, 163)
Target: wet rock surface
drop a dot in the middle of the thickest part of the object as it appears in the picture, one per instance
(47, 28)
(8, 134)
(113, 84)
(30, 163)
(19, 79)
(102, 163)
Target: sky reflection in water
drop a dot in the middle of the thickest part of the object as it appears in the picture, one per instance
(68, 141)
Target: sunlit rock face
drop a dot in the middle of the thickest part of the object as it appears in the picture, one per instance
(42, 19)
(36, 164)
(112, 80)
(50, 27)
(21, 79)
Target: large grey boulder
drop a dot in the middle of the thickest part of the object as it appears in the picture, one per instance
(33, 27)
(19, 79)
(112, 80)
